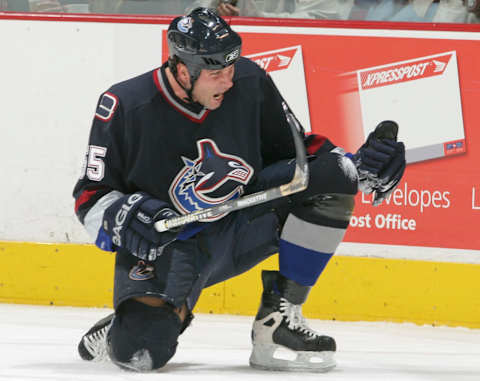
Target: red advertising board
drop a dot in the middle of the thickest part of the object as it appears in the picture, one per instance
(438, 202)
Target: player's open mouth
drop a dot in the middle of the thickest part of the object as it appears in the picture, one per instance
(218, 97)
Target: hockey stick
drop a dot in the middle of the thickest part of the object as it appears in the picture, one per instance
(298, 183)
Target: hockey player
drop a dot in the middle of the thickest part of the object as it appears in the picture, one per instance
(204, 128)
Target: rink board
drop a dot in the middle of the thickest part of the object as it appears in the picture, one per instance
(351, 288)
(436, 206)
(427, 80)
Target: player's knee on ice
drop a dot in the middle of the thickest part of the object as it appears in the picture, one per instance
(143, 338)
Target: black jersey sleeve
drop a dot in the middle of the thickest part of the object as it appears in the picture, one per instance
(101, 182)
(276, 137)
(277, 140)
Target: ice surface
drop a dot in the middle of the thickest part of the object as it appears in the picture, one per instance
(38, 343)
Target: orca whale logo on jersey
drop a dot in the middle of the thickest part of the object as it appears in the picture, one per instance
(211, 179)
(142, 271)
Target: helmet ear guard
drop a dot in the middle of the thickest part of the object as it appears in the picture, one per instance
(202, 40)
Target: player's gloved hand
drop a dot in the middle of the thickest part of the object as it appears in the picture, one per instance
(380, 162)
(129, 223)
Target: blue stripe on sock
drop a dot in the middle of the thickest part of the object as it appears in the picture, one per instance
(301, 265)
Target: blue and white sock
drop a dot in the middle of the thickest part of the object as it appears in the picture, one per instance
(306, 248)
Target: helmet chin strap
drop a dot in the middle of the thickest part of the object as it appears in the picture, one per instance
(193, 80)
(189, 91)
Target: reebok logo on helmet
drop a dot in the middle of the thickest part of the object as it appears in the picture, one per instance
(232, 56)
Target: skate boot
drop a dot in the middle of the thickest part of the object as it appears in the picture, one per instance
(93, 345)
(279, 325)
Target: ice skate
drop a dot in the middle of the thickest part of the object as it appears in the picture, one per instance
(280, 329)
(93, 345)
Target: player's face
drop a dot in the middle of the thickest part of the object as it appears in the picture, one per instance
(211, 86)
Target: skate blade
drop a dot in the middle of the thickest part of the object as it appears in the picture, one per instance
(319, 362)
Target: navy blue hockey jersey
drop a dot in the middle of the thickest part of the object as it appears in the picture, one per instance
(145, 138)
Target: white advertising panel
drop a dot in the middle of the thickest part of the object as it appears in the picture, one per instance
(286, 69)
(408, 92)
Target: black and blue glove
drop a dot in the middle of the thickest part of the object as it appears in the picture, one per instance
(380, 162)
(129, 224)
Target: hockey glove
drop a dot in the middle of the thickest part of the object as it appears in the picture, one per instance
(380, 162)
(129, 223)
